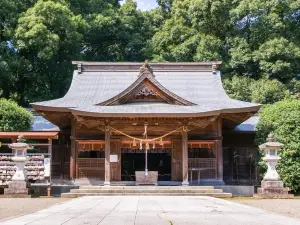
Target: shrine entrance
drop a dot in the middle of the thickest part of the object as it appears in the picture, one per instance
(134, 160)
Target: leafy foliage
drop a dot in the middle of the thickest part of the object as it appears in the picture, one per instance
(283, 118)
(263, 91)
(14, 117)
(238, 88)
(266, 91)
(49, 29)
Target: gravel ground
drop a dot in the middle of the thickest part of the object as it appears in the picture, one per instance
(12, 207)
(286, 207)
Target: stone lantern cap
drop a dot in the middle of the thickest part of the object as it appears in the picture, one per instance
(19, 146)
(19, 149)
(271, 144)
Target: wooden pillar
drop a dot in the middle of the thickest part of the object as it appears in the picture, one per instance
(50, 157)
(185, 169)
(73, 150)
(107, 156)
(220, 151)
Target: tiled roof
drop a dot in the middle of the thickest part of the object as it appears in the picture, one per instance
(204, 89)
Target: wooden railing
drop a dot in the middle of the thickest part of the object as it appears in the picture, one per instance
(90, 168)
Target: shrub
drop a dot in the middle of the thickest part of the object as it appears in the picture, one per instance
(283, 118)
(14, 117)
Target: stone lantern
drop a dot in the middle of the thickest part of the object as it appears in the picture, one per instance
(272, 185)
(18, 183)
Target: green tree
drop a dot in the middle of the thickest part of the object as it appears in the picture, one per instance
(49, 29)
(14, 117)
(11, 63)
(242, 58)
(267, 32)
(48, 36)
(195, 31)
(165, 5)
(294, 88)
(266, 91)
(283, 119)
(279, 58)
(120, 34)
(238, 87)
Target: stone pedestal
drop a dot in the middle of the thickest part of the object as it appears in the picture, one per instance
(273, 189)
(16, 187)
(142, 179)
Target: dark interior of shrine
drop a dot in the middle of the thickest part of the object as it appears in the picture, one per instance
(134, 160)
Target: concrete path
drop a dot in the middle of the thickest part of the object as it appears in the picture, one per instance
(150, 210)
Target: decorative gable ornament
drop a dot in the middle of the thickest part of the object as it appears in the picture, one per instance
(146, 91)
(146, 68)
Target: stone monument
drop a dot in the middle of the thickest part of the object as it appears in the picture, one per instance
(272, 185)
(18, 184)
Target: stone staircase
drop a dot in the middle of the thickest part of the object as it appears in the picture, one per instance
(146, 191)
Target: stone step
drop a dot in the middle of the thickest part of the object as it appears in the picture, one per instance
(216, 195)
(146, 187)
(141, 190)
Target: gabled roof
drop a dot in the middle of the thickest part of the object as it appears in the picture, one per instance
(97, 89)
(146, 84)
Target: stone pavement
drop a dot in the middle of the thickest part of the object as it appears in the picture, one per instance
(151, 210)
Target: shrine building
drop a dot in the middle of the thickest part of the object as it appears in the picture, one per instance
(121, 118)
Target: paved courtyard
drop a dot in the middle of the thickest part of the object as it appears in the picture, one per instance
(154, 210)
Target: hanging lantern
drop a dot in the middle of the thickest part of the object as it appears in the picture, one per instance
(134, 143)
(141, 145)
(154, 145)
(161, 142)
(147, 146)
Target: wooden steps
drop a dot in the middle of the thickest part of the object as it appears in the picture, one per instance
(146, 191)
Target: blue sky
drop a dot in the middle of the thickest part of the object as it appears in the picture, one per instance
(145, 4)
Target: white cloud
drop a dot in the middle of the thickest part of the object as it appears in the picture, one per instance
(144, 4)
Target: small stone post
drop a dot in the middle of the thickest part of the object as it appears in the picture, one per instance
(272, 185)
